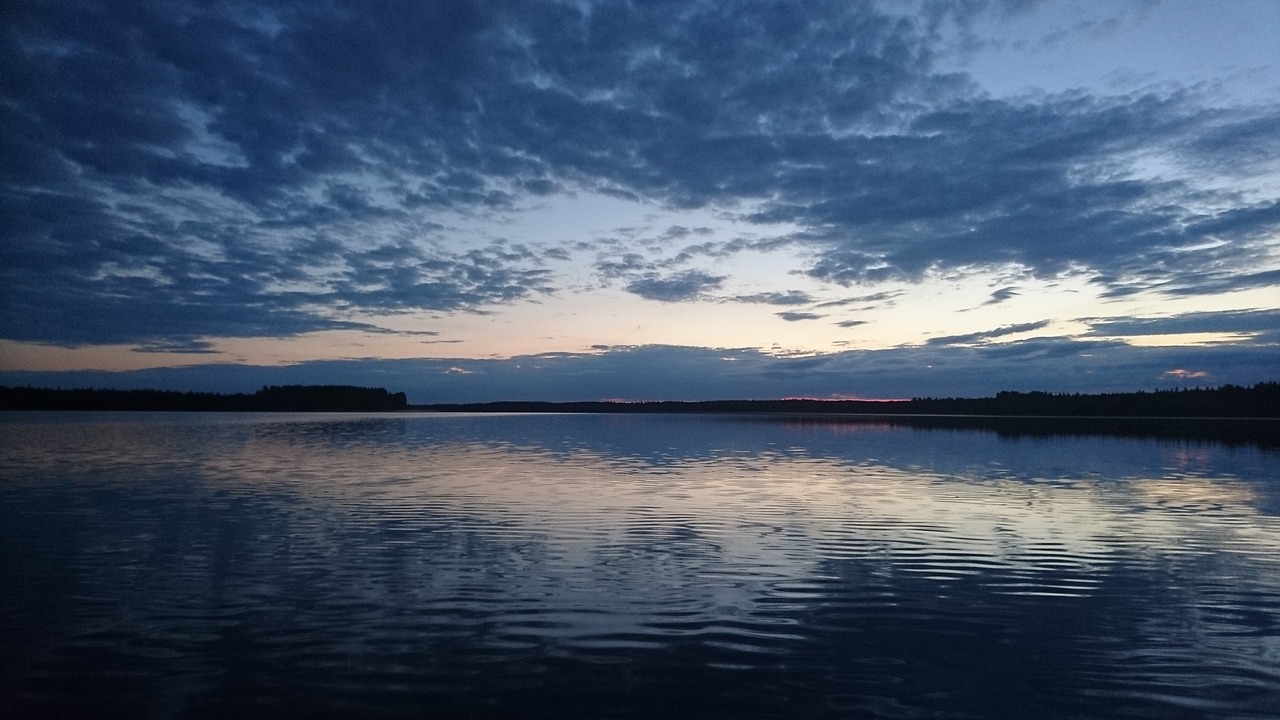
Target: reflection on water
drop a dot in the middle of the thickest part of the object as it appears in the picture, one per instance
(606, 566)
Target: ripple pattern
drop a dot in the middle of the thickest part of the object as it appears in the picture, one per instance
(573, 566)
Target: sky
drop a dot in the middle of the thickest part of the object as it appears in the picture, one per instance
(587, 200)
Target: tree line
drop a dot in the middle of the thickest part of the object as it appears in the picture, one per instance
(1260, 401)
(271, 398)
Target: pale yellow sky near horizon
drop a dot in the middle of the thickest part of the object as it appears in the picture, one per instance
(578, 321)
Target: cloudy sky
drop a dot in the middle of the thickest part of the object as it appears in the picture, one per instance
(591, 199)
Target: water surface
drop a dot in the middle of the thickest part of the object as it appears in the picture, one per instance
(210, 565)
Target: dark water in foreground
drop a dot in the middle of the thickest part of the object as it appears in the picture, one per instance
(159, 566)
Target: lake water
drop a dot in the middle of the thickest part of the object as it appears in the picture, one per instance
(596, 566)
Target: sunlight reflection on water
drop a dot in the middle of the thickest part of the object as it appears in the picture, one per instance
(619, 565)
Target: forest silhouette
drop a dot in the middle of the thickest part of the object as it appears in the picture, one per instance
(285, 398)
(1229, 401)
(1260, 401)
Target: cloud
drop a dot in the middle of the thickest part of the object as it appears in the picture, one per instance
(1247, 141)
(1023, 184)
(1002, 295)
(790, 297)
(680, 287)
(797, 316)
(970, 338)
(1262, 325)
(189, 346)
(879, 299)
(177, 293)
(627, 265)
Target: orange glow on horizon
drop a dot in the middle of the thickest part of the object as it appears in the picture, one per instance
(855, 398)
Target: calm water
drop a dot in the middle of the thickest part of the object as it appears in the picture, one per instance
(158, 566)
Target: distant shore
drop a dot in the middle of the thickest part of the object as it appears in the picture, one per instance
(1229, 414)
(1230, 401)
(286, 398)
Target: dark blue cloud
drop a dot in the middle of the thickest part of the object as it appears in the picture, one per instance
(1262, 325)
(680, 287)
(1002, 295)
(975, 337)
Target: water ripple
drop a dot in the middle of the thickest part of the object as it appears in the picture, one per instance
(197, 567)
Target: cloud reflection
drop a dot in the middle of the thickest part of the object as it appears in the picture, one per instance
(371, 561)
(705, 494)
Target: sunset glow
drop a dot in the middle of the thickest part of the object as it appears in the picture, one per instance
(571, 201)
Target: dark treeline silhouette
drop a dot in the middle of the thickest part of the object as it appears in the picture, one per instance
(1229, 401)
(287, 398)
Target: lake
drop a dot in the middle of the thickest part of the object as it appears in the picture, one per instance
(599, 566)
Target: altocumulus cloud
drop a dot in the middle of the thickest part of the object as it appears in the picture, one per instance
(680, 287)
(196, 170)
